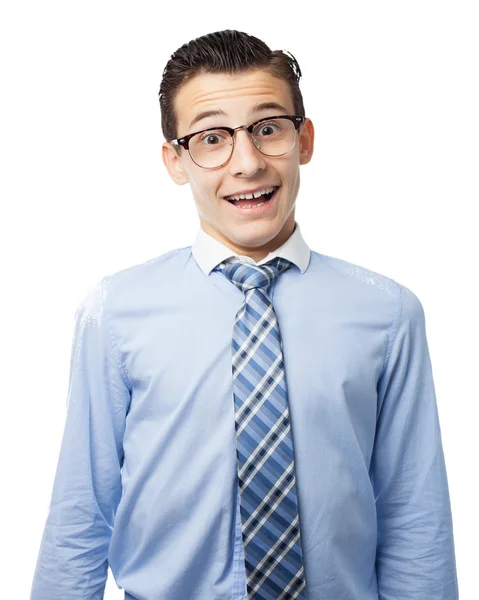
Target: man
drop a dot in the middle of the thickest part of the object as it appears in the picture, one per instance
(247, 418)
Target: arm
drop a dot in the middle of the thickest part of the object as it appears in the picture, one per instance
(72, 561)
(415, 547)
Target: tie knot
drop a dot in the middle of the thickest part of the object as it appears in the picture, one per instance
(246, 276)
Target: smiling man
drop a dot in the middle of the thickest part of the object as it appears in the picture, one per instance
(253, 226)
(247, 418)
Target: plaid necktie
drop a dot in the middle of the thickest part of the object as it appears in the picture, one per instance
(265, 458)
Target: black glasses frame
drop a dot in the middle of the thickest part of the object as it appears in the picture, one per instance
(185, 141)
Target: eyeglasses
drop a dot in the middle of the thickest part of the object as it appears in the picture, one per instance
(211, 148)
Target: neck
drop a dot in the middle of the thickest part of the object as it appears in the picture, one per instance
(256, 254)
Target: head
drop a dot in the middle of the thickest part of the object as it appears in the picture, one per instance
(229, 73)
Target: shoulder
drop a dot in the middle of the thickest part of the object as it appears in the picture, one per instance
(361, 282)
(122, 286)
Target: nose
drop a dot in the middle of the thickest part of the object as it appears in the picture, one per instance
(246, 158)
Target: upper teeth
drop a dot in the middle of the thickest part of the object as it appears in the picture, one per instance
(250, 196)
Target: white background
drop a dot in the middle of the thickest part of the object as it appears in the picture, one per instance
(392, 90)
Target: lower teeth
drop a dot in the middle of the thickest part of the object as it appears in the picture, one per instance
(253, 205)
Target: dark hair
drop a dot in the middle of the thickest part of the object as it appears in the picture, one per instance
(227, 51)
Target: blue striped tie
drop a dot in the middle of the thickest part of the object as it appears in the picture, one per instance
(265, 457)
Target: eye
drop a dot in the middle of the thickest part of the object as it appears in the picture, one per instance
(212, 138)
(267, 129)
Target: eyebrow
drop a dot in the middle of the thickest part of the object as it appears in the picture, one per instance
(219, 112)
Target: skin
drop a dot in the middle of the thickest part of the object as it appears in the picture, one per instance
(250, 235)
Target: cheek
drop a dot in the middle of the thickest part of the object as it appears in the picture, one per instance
(206, 196)
(206, 189)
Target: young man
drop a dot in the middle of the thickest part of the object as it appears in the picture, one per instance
(247, 418)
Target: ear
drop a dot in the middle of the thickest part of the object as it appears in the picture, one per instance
(173, 164)
(306, 142)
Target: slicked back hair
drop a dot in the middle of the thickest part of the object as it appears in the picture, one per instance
(230, 52)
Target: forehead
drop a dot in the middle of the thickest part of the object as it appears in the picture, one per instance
(234, 94)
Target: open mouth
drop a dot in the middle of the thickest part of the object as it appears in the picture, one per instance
(254, 203)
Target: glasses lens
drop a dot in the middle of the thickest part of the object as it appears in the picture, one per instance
(275, 136)
(213, 148)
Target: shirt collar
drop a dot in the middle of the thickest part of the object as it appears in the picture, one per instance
(209, 252)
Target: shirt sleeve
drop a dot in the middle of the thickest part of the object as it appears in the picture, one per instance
(415, 555)
(72, 561)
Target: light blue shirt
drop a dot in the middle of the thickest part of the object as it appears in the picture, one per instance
(146, 480)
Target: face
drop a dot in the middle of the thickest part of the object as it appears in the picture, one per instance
(255, 232)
